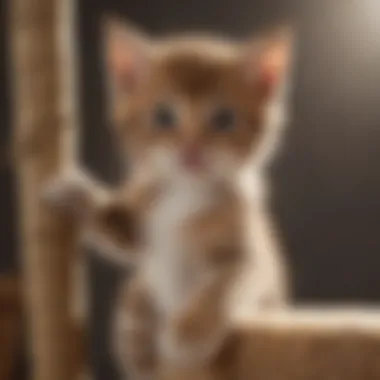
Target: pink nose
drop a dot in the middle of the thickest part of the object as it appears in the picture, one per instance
(192, 156)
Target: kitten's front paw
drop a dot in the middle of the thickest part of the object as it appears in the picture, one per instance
(173, 352)
(189, 354)
(71, 194)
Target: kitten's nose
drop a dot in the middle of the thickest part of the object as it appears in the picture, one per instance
(192, 156)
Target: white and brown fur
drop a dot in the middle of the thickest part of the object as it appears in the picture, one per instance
(205, 249)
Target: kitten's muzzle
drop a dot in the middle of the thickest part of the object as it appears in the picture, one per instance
(192, 156)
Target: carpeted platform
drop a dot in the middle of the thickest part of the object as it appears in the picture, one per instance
(323, 344)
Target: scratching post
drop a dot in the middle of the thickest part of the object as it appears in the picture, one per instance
(44, 142)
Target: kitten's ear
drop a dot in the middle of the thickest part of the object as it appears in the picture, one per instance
(267, 59)
(127, 52)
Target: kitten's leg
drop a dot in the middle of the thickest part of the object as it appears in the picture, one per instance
(198, 331)
(109, 218)
(135, 332)
(116, 225)
(272, 270)
(90, 204)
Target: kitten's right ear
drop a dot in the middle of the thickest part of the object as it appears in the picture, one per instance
(267, 59)
(127, 52)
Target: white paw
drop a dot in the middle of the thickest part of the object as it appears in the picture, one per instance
(70, 194)
(189, 354)
(142, 376)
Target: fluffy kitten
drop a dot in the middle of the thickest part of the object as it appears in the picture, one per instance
(194, 116)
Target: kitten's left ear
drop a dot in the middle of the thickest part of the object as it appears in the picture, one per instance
(267, 59)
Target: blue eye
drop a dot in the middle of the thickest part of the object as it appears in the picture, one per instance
(164, 117)
(223, 119)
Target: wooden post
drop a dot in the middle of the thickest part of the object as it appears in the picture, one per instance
(11, 327)
(44, 138)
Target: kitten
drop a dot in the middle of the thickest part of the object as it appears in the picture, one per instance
(193, 115)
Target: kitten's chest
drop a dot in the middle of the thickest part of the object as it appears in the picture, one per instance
(171, 267)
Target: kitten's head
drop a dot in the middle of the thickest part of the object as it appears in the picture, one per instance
(193, 105)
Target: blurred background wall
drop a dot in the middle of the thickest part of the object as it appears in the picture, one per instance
(326, 179)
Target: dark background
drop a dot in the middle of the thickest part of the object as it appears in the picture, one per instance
(326, 179)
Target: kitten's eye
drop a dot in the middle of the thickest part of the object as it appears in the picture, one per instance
(223, 119)
(164, 117)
